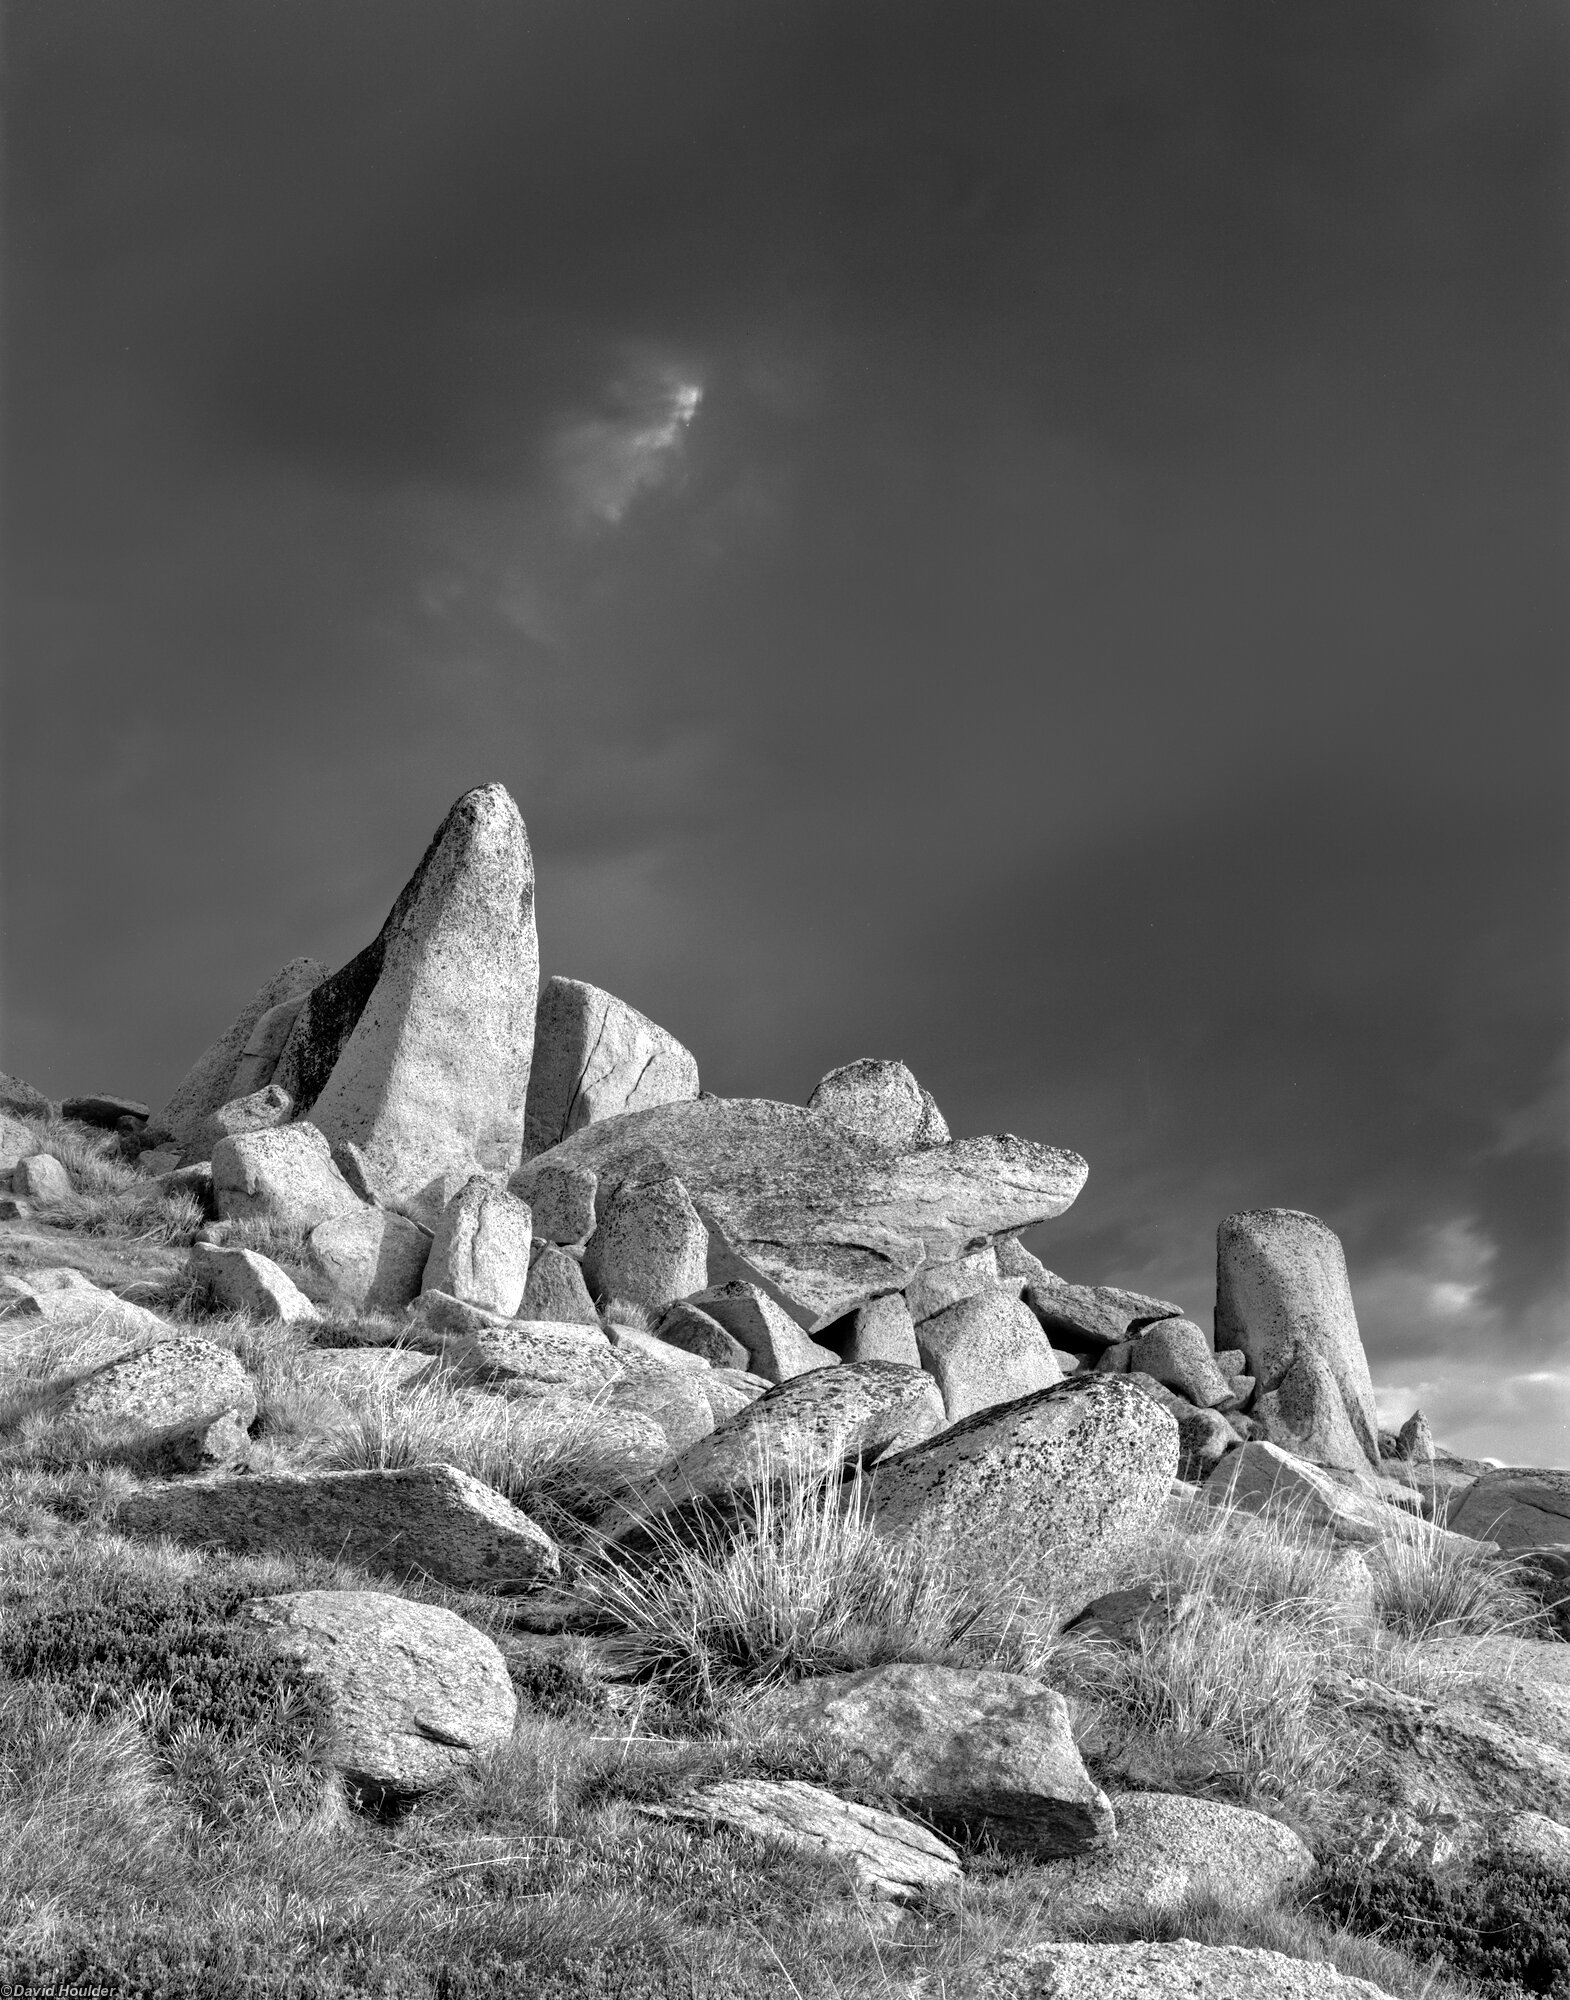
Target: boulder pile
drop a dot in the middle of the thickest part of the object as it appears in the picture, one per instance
(517, 1198)
(531, 1174)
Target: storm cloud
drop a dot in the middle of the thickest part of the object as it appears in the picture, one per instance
(1026, 538)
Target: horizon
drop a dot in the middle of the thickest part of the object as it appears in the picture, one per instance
(1029, 544)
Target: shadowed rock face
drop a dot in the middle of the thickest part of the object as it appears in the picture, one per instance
(990, 1752)
(429, 1520)
(210, 1080)
(418, 1051)
(827, 1218)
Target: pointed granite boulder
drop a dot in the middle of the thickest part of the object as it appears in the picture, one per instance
(820, 1217)
(417, 1052)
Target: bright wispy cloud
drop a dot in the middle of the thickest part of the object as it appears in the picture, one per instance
(605, 461)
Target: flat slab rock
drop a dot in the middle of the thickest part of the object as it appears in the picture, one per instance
(56, 1313)
(886, 1856)
(429, 1519)
(970, 1747)
(1261, 1478)
(414, 1692)
(1518, 1506)
(825, 1215)
(1182, 1971)
(1171, 1847)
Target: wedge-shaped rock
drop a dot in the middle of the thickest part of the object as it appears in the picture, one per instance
(481, 1248)
(178, 1382)
(418, 1050)
(1519, 1507)
(990, 1753)
(729, 1392)
(368, 1260)
(688, 1327)
(425, 1520)
(17, 1143)
(1177, 1353)
(1283, 1296)
(1170, 1849)
(1015, 1261)
(286, 1176)
(1085, 1464)
(988, 1349)
(260, 1112)
(523, 1353)
(651, 1246)
(775, 1345)
(59, 1318)
(210, 1080)
(40, 1177)
(414, 1692)
(827, 1218)
(887, 1857)
(1204, 1436)
(1261, 1478)
(1092, 1317)
(881, 1330)
(245, 1281)
(637, 1347)
(877, 1099)
(594, 1057)
(1182, 1971)
(936, 1287)
(557, 1290)
(562, 1202)
(816, 1422)
(672, 1397)
(21, 1099)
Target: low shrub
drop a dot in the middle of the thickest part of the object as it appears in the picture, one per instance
(169, 1650)
(1505, 1926)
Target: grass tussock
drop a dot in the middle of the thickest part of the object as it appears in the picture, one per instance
(628, 1313)
(109, 1196)
(797, 1581)
(1245, 1689)
(559, 1459)
(1431, 1586)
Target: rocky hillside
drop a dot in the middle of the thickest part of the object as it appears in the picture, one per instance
(482, 1513)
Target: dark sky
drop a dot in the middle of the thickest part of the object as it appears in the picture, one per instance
(1027, 538)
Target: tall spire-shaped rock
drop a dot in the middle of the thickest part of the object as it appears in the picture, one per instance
(418, 1050)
